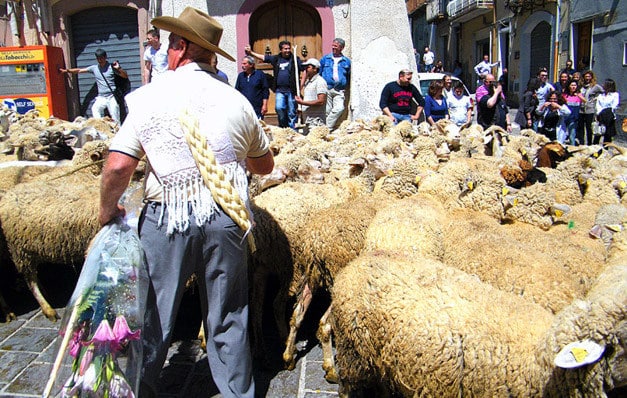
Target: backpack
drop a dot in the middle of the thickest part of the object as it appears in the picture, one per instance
(122, 85)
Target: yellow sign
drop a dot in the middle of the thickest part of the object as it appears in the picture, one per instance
(12, 57)
(23, 105)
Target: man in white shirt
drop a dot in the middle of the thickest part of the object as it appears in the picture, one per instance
(314, 98)
(484, 67)
(427, 58)
(155, 56)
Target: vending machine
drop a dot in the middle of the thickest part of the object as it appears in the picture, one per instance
(30, 79)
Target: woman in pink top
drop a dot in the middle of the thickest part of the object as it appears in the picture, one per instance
(573, 99)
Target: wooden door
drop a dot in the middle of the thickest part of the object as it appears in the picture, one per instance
(583, 34)
(279, 20)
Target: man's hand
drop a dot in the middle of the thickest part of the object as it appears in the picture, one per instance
(105, 216)
(299, 100)
(247, 50)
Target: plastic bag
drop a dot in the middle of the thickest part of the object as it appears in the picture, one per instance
(103, 320)
(598, 128)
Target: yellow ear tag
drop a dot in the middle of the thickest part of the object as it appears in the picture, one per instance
(516, 202)
(558, 213)
(622, 184)
(579, 353)
(471, 185)
(417, 180)
(505, 191)
(390, 173)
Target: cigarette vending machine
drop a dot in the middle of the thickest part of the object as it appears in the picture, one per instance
(30, 79)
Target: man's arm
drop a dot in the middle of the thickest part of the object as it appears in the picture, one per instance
(320, 100)
(383, 103)
(419, 100)
(492, 100)
(147, 71)
(249, 51)
(118, 70)
(116, 175)
(74, 70)
(261, 165)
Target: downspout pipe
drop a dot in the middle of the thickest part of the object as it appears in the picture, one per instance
(558, 12)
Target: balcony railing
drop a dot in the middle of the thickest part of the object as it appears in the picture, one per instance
(436, 10)
(457, 8)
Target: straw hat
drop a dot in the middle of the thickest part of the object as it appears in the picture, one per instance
(195, 26)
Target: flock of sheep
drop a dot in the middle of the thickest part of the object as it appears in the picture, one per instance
(460, 262)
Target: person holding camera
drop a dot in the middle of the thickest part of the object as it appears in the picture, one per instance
(553, 114)
(491, 107)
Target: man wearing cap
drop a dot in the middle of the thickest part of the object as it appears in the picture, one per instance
(284, 83)
(184, 226)
(104, 72)
(314, 98)
(397, 97)
(335, 68)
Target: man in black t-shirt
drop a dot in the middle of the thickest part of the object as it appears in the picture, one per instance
(284, 83)
(397, 96)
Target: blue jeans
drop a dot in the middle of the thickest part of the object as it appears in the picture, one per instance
(285, 109)
(572, 131)
(399, 118)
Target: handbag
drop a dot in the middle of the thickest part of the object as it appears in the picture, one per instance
(123, 87)
(597, 128)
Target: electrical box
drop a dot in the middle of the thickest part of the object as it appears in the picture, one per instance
(30, 79)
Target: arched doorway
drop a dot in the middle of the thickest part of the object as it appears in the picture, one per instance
(535, 46)
(540, 56)
(279, 20)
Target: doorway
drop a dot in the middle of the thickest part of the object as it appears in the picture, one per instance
(115, 30)
(294, 21)
(583, 49)
(540, 56)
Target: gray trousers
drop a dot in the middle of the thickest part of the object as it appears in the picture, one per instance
(216, 252)
(335, 106)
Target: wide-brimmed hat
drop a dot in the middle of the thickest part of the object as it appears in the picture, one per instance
(195, 26)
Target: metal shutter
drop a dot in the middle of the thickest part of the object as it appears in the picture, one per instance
(114, 29)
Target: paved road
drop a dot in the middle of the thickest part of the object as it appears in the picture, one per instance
(28, 348)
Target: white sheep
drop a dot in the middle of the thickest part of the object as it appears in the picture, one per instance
(51, 219)
(422, 328)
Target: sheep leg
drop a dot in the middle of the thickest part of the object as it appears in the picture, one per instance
(10, 316)
(298, 315)
(325, 339)
(47, 310)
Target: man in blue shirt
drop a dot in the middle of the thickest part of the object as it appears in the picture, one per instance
(253, 84)
(335, 68)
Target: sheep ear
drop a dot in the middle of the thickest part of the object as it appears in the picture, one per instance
(579, 353)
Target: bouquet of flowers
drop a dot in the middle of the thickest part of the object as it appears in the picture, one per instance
(102, 324)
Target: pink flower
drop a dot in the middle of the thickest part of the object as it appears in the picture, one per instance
(104, 334)
(86, 361)
(122, 332)
(77, 340)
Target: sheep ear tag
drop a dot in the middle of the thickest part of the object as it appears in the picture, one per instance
(579, 353)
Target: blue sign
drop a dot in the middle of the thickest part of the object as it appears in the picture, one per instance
(23, 105)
